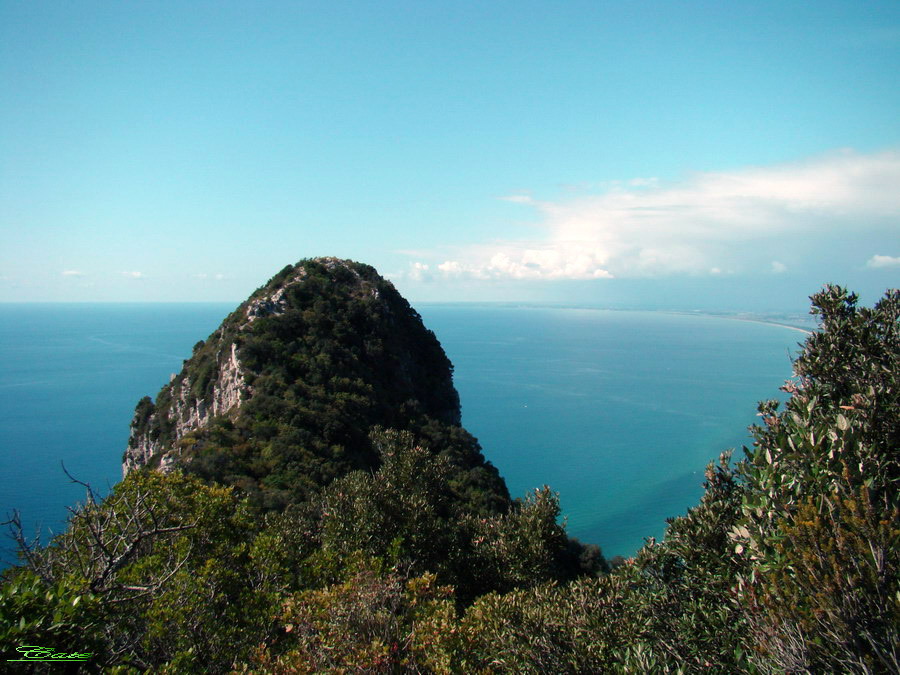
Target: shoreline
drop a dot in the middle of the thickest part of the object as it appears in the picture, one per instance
(675, 312)
(769, 323)
(748, 319)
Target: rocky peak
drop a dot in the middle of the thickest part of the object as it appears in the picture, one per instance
(324, 351)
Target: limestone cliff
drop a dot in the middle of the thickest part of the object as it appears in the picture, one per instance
(186, 412)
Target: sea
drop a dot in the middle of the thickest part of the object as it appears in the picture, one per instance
(617, 411)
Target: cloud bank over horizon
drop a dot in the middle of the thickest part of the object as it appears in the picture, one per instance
(755, 220)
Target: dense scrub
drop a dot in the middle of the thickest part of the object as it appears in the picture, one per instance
(789, 563)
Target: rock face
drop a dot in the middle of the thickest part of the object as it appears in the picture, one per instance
(186, 412)
(296, 377)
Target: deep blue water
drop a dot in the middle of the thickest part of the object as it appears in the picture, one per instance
(617, 411)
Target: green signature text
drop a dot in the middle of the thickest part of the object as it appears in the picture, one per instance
(35, 653)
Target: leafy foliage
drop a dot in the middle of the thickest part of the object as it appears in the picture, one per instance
(33, 612)
(372, 623)
(821, 505)
(158, 574)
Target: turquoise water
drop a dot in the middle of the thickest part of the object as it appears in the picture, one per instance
(617, 411)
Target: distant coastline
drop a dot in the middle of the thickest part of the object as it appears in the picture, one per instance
(771, 323)
(751, 319)
(797, 323)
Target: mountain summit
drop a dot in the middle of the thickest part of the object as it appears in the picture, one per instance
(283, 396)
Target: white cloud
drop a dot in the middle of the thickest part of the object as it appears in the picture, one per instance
(419, 272)
(451, 268)
(734, 220)
(882, 261)
(133, 275)
(72, 273)
(530, 263)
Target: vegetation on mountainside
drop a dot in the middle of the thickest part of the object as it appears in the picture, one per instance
(790, 563)
(345, 353)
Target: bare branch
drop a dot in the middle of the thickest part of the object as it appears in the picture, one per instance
(114, 564)
(91, 495)
(28, 550)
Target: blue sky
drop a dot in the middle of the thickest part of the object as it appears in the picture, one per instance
(715, 155)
